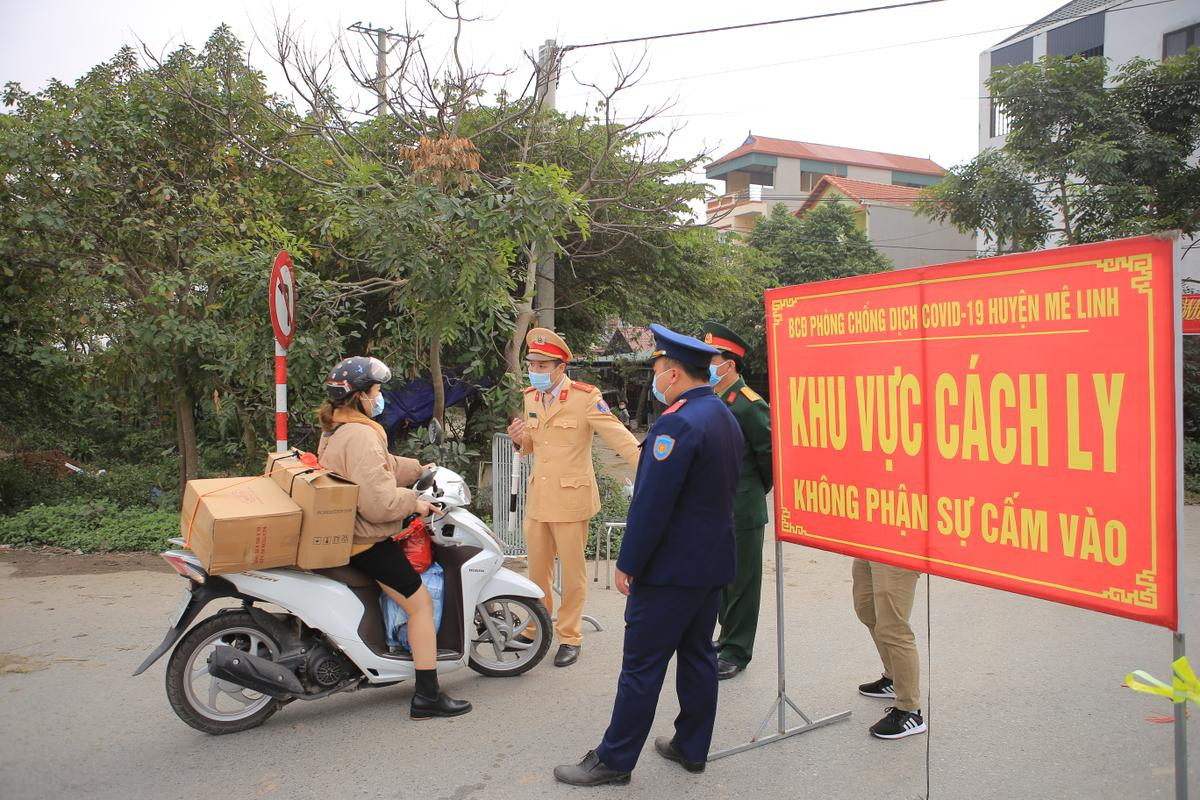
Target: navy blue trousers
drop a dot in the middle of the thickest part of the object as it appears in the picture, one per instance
(662, 621)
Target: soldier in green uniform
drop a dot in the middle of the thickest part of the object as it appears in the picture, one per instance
(739, 606)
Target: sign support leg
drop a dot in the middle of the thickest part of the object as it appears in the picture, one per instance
(280, 398)
(782, 701)
(1181, 765)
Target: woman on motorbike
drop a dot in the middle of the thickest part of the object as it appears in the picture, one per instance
(355, 446)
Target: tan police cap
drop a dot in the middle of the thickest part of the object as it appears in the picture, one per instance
(546, 345)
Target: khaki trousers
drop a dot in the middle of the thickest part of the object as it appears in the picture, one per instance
(566, 539)
(883, 601)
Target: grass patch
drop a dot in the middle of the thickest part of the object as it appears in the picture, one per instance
(95, 526)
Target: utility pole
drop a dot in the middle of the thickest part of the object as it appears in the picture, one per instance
(379, 42)
(547, 87)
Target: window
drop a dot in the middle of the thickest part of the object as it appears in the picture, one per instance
(1000, 124)
(810, 179)
(1176, 43)
(1083, 37)
(1017, 53)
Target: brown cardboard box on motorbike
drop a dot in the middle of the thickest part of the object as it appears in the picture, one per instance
(235, 524)
(328, 502)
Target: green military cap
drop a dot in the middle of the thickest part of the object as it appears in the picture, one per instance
(725, 340)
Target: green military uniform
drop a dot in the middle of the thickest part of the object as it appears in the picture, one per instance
(739, 608)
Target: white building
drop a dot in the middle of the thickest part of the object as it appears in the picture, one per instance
(1116, 29)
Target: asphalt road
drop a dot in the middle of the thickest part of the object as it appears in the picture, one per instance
(1025, 702)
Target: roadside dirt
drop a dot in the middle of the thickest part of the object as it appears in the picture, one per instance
(47, 561)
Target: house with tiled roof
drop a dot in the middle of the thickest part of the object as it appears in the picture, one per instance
(887, 214)
(764, 171)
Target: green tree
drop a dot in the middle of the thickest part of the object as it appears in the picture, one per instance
(146, 228)
(1088, 156)
(823, 244)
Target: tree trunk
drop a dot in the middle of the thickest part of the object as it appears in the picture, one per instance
(525, 317)
(249, 436)
(435, 376)
(185, 429)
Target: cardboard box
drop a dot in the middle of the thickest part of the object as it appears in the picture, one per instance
(240, 523)
(329, 503)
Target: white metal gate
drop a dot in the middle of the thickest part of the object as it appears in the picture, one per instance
(507, 525)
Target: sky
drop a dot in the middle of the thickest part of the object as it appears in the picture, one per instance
(900, 81)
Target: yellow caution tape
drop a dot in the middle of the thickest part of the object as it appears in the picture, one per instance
(1184, 687)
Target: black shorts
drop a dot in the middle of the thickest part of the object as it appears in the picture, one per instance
(386, 563)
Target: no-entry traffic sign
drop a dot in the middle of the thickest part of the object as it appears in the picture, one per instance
(283, 299)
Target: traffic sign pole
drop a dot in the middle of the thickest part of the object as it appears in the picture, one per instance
(280, 399)
(282, 295)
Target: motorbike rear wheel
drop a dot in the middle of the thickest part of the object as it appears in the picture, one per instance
(209, 704)
(494, 649)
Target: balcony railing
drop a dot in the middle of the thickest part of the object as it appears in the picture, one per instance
(728, 201)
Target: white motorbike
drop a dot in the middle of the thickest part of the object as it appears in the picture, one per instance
(235, 669)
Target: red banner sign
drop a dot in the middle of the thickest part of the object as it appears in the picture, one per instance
(1006, 421)
(1191, 314)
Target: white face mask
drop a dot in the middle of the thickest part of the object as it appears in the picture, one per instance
(659, 396)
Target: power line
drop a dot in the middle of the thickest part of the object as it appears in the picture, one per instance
(872, 49)
(747, 25)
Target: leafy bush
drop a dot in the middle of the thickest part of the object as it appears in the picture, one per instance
(90, 526)
(23, 485)
(614, 507)
(1191, 465)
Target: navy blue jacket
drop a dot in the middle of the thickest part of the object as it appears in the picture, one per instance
(680, 526)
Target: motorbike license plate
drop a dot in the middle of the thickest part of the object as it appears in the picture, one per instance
(184, 601)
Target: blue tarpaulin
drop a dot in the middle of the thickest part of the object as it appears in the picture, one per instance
(410, 406)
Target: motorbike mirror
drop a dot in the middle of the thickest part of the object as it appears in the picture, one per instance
(424, 481)
(435, 432)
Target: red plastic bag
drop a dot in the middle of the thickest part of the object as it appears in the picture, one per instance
(417, 544)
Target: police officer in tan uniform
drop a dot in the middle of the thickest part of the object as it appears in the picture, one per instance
(559, 419)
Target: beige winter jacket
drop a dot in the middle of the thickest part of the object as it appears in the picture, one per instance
(355, 450)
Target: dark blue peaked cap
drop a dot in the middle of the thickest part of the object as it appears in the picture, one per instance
(681, 348)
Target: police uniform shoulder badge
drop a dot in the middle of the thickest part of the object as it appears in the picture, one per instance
(587, 387)
(663, 446)
(750, 394)
(602, 407)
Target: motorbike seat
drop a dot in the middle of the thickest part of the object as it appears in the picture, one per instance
(355, 579)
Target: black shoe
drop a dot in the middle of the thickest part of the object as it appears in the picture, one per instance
(727, 669)
(522, 638)
(898, 723)
(443, 705)
(567, 655)
(880, 688)
(591, 771)
(666, 748)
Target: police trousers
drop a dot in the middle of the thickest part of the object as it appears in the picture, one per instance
(660, 622)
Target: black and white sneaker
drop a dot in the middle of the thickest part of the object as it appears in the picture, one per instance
(898, 723)
(880, 688)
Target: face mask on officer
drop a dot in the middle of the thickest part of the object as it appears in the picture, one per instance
(659, 396)
(714, 376)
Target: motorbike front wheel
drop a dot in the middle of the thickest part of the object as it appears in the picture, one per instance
(209, 704)
(495, 650)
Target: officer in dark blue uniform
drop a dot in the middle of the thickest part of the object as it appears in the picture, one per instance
(676, 556)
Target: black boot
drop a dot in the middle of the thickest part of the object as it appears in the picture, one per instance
(443, 705)
(429, 701)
